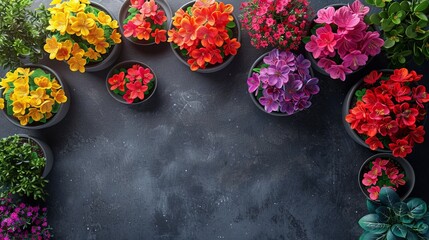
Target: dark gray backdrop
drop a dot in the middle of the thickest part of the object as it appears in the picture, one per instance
(200, 161)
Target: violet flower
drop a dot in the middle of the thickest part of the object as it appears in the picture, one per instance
(253, 83)
(303, 65)
(269, 104)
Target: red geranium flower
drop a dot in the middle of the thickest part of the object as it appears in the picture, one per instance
(117, 81)
(405, 114)
(378, 111)
(400, 148)
(374, 143)
(417, 135)
(420, 95)
(136, 90)
(372, 77)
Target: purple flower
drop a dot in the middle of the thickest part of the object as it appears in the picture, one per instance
(345, 19)
(345, 46)
(338, 72)
(355, 59)
(288, 58)
(269, 104)
(325, 63)
(287, 107)
(310, 86)
(272, 57)
(302, 65)
(302, 104)
(274, 92)
(253, 83)
(278, 74)
(292, 88)
(372, 43)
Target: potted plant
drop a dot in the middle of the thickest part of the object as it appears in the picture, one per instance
(33, 97)
(22, 32)
(280, 83)
(24, 164)
(385, 170)
(386, 111)
(19, 220)
(145, 22)
(278, 24)
(205, 35)
(392, 218)
(84, 34)
(404, 25)
(131, 82)
(341, 42)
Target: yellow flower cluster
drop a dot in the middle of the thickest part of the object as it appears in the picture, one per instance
(31, 96)
(82, 33)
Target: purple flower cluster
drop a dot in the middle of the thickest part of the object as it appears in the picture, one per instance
(20, 221)
(283, 83)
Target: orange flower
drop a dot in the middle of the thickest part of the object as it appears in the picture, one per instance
(202, 56)
(219, 20)
(159, 35)
(231, 47)
(202, 15)
(226, 8)
(203, 3)
(64, 51)
(179, 15)
(208, 36)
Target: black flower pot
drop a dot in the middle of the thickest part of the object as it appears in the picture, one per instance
(46, 151)
(403, 191)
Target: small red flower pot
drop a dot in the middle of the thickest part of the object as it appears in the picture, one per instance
(401, 164)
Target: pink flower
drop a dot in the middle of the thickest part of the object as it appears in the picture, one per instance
(372, 43)
(374, 191)
(325, 63)
(360, 9)
(344, 18)
(345, 46)
(355, 59)
(129, 29)
(270, 22)
(380, 163)
(369, 179)
(327, 41)
(325, 15)
(338, 72)
(312, 47)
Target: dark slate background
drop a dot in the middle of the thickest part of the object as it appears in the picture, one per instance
(200, 161)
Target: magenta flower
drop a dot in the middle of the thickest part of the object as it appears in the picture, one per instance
(325, 63)
(360, 9)
(374, 191)
(327, 39)
(338, 71)
(302, 65)
(287, 107)
(310, 86)
(344, 46)
(312, 47)
(278, 74)
(355, 59)
(269, 104)
(253, 83)
(344, 18)
(372, 43)
(325, 15)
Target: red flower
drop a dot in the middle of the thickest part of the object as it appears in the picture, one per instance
(370, 128)
(208, 36)
(201, 56)
(369, 179)
(374, 143)
(388, 128)
(159, 35)
(159, 18)
(378, 111)
(231, 47)
(420, 95)
(374, 191)
(417, 135)
(405, 115)
(372, 77)
(401, 93)
(136, 90)
(117, 82)
(400, 148)
(401, 75)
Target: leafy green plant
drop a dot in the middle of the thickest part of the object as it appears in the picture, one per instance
(23, 32)
(405, 29)
(21, 167)
(393, 219)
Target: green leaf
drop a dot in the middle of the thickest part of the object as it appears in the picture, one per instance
(370, 2)
(383, 14)
(399, 230)
(371, 236)
(371, 223)
(306, 39)
(375, 19)
(401, 209)
(384, 214)
(410, 31)
(387, 24)
(372, 206)
(405, 6)
(394, 7)
(412, 236)
(417, 207)
(230, 34)
(388, 197)
(391, 236)
(421, 227)
(406, 219)
(231, 24)
(421, 15)
(380, 3)
(421, 6)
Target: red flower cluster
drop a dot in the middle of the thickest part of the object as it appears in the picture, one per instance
(133, 83)
(203, 33)
(383, 173)
(277, 23)
(389, 112)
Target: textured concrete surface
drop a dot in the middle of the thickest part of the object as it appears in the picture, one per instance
(200, 161)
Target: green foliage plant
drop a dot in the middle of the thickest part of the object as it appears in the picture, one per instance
(392, 219)
(405, 29)
(23, 32)
(21, 167)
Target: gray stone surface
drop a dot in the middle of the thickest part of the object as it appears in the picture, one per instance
(200, 161)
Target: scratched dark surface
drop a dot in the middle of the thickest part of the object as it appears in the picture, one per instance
(200, 161)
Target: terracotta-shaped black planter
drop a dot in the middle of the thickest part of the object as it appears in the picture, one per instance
(62, 111)
(126, 65)
(401, 163)
(209, 68)
(109, 58)
(123, 14)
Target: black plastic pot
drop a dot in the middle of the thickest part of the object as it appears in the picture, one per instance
(210, 68)
(62, 112)
(47, 153)
(123, 14)
(126, 65)
(403, 191)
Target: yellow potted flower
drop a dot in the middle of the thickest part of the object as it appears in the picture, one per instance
(33, 97)
(84, 34)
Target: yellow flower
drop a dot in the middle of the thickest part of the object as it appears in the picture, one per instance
(43, 82)
(19, 106)
(59, 22)
(1, 103)
(24, 73)
(95, 35)
(37, 97)
(77, 50)
(55, 2)
(85, 1)
(77, 63)
(104, 18)
(55, 84)
(21, 91)
(59, 96)
(48, 115)
(81, 23)
(91, 54)
(46, 106)
(35, 114)
(52, 47)
(116, 37)
(74, 6)
(64, 51)
(101, 46)
(113, 24)
(23, 119)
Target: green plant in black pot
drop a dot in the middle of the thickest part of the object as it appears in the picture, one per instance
(23, 32)
(405, 28)
(392, 219)
(21, 167)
